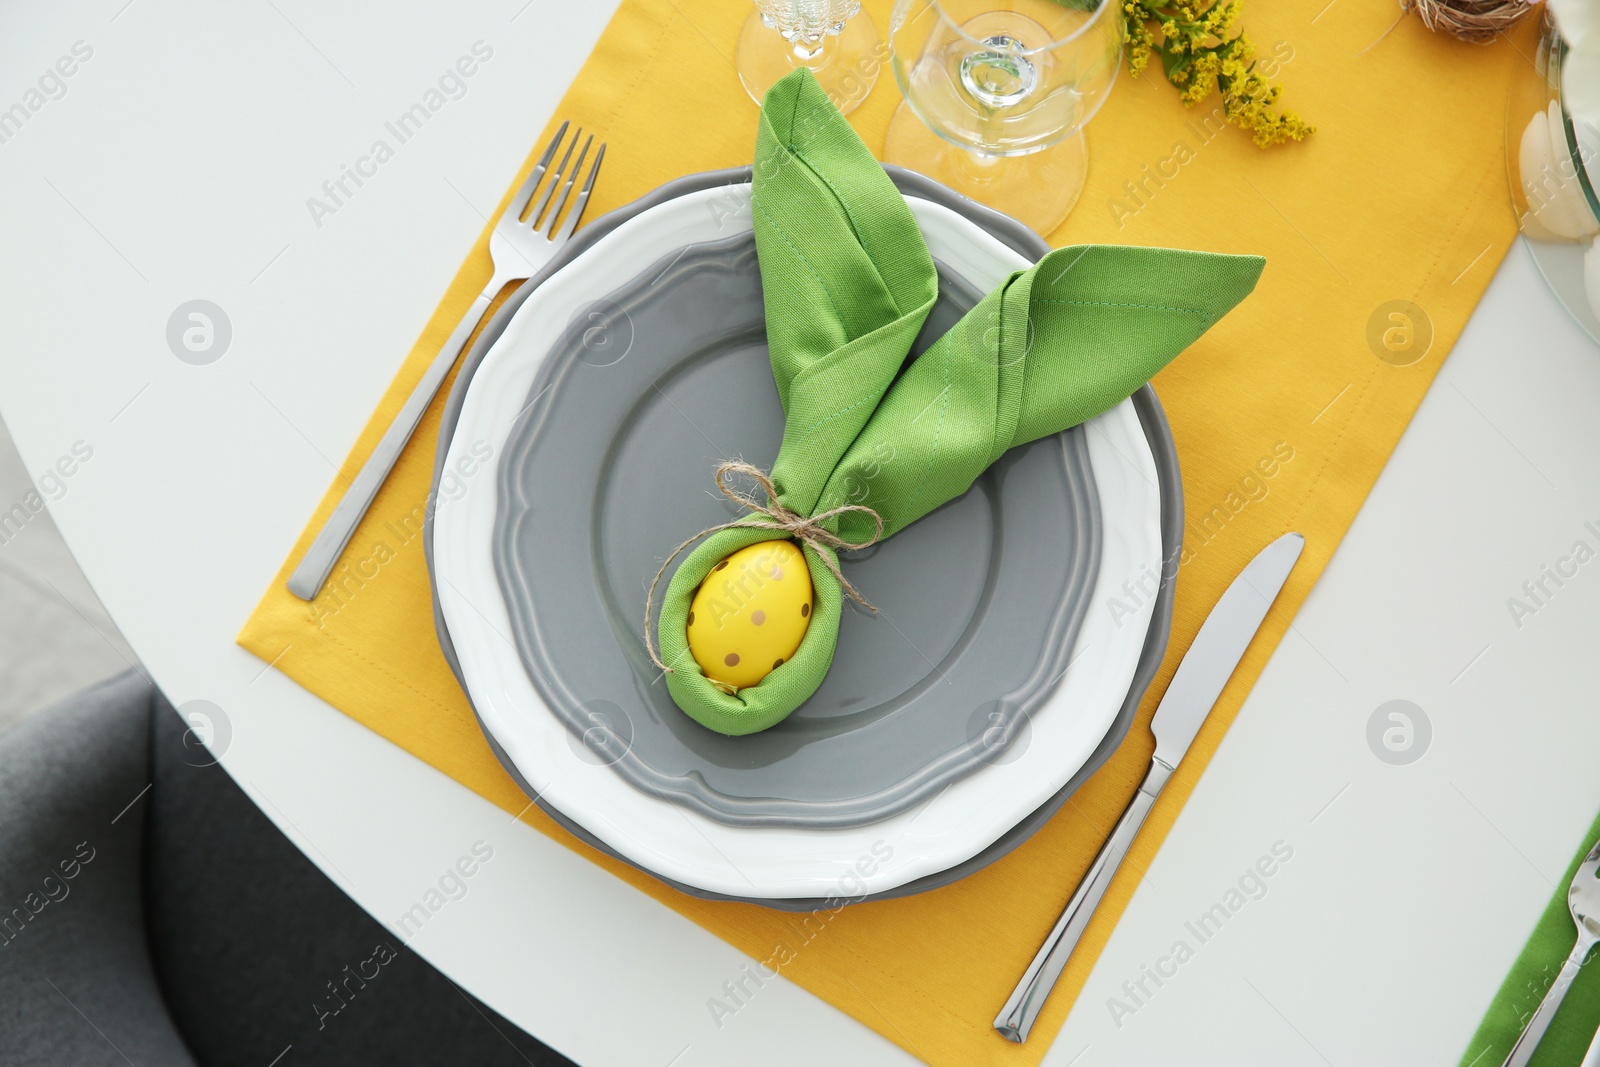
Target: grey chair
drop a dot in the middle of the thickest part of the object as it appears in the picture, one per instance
(151, 915)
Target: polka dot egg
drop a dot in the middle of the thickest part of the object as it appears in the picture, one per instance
(750, 613)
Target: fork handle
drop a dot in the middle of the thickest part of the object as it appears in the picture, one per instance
(318, 562)
(1016, 1019)
(1523, 1050)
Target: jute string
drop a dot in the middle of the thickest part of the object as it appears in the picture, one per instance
(808, 529)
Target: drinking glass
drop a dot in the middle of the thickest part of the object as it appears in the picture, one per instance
(997, 93)
(831, 38)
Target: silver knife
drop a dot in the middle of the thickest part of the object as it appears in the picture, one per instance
(1206, 668)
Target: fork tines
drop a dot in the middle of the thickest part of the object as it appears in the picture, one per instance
(565, 179)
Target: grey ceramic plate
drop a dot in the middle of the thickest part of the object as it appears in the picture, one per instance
(1024, 242)
(610, 466)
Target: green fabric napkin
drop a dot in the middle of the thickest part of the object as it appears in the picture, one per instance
(1539, 962)
(848, 282)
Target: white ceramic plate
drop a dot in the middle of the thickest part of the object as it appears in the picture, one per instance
(774, 862)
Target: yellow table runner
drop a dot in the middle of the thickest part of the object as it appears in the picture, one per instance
(1284, 414)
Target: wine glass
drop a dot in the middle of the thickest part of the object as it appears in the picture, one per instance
(831, 38)
(997, 93)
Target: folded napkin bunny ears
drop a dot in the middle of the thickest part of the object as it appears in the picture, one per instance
(848, 282)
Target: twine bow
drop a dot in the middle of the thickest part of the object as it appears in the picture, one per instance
(808, 529)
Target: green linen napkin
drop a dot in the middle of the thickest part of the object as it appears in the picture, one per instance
(848, 282)
(1540, 961)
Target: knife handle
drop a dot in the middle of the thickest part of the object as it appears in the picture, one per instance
(1020, 1012)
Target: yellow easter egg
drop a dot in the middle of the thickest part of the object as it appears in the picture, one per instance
(750, 613)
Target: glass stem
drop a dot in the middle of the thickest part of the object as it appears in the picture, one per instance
(978, 168)
(808, 48)
(980, 165)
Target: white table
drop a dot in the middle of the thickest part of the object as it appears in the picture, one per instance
(177, 166)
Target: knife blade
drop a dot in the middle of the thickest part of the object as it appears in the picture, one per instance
(1219, 646)
(1194, 689)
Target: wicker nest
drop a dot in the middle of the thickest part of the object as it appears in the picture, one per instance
(1476, 21)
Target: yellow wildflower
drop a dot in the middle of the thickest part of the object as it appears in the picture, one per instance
(1201, 53)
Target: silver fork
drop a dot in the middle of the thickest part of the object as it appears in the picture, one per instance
(518, 247)
(1583, 901)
